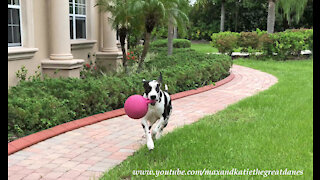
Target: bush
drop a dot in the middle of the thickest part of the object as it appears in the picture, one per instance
(289, 43)
(40, 104)
(248, 40)
(309, 39)
(177, 43)
(225, 42)
(285, 44)
(266, 44)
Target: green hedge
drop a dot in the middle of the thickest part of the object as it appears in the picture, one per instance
(177, 43)
(225, 42)
(40, 104)
(286, 44)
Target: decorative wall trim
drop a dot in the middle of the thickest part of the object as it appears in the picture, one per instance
(21, 53)
(82, 44)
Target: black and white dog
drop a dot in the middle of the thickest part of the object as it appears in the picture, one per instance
(159, 111)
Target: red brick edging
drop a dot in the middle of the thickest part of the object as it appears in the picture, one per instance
(32, 139)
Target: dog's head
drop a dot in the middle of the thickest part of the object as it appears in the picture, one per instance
(152, 89)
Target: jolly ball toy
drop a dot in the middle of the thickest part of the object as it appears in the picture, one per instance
(136, 106)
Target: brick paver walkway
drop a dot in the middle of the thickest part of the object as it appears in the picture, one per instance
(87, 152)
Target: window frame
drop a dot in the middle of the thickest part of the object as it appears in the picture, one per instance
(74, 16)
(20, 25)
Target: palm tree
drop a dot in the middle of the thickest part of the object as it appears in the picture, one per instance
(293, 9)
(122, 20)
(223, 15)
(176, 17)
(152, 13)
(222, 10)
(289, 7)
(271, 16)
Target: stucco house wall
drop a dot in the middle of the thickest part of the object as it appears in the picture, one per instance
(45, 31)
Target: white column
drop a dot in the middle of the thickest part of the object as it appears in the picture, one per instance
(110, 57)
(60, 62)
(60, 48)
(109, 41)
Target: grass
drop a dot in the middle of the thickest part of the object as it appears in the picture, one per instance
(204, 48)
(272, 130)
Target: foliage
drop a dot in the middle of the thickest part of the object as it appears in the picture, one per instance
(23, 72)
(285, 44)
(292, 9)
(177, 43)
(153, 13)
(89, 70)
(244, 15)
(266, 44)
(248, 40)
(225, 42)
(40, 104)
(290, 43)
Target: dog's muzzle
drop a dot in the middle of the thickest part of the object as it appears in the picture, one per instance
(154, 99)
(154, 103)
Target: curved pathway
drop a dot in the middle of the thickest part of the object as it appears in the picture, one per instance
(87, 152)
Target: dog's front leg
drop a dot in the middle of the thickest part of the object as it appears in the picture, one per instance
(146, 128)
(157, 131)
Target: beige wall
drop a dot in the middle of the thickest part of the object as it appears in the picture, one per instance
(36, 43)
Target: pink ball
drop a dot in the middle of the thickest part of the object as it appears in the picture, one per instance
(136, 106)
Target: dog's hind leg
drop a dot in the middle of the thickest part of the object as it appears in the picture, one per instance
(162, 124)
(161, 127)
(146, 128)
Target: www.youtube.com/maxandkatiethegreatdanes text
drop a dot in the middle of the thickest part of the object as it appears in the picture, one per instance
(209, 172)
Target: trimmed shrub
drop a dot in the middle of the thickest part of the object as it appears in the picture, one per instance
(40, 104)
(248, 40)
(285, 44)
(177, 43)
(289, 43)
(266, 44)
(225, 42)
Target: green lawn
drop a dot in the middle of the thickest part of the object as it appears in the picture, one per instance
(272, 130)
(203, 48)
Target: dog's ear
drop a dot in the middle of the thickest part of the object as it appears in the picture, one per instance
(145, 83)
(160, 78)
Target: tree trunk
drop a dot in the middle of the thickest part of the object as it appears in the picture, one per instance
(123, 34)
(236, 17)
(175, 32)
(271, 16)
(170, 36)
(145, 50)
(223, 12)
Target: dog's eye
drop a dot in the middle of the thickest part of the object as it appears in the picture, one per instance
(158, 88)
(148, 89)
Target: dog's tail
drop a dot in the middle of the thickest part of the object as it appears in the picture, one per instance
(166, 88)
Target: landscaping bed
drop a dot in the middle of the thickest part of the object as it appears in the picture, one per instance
(40, 104)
